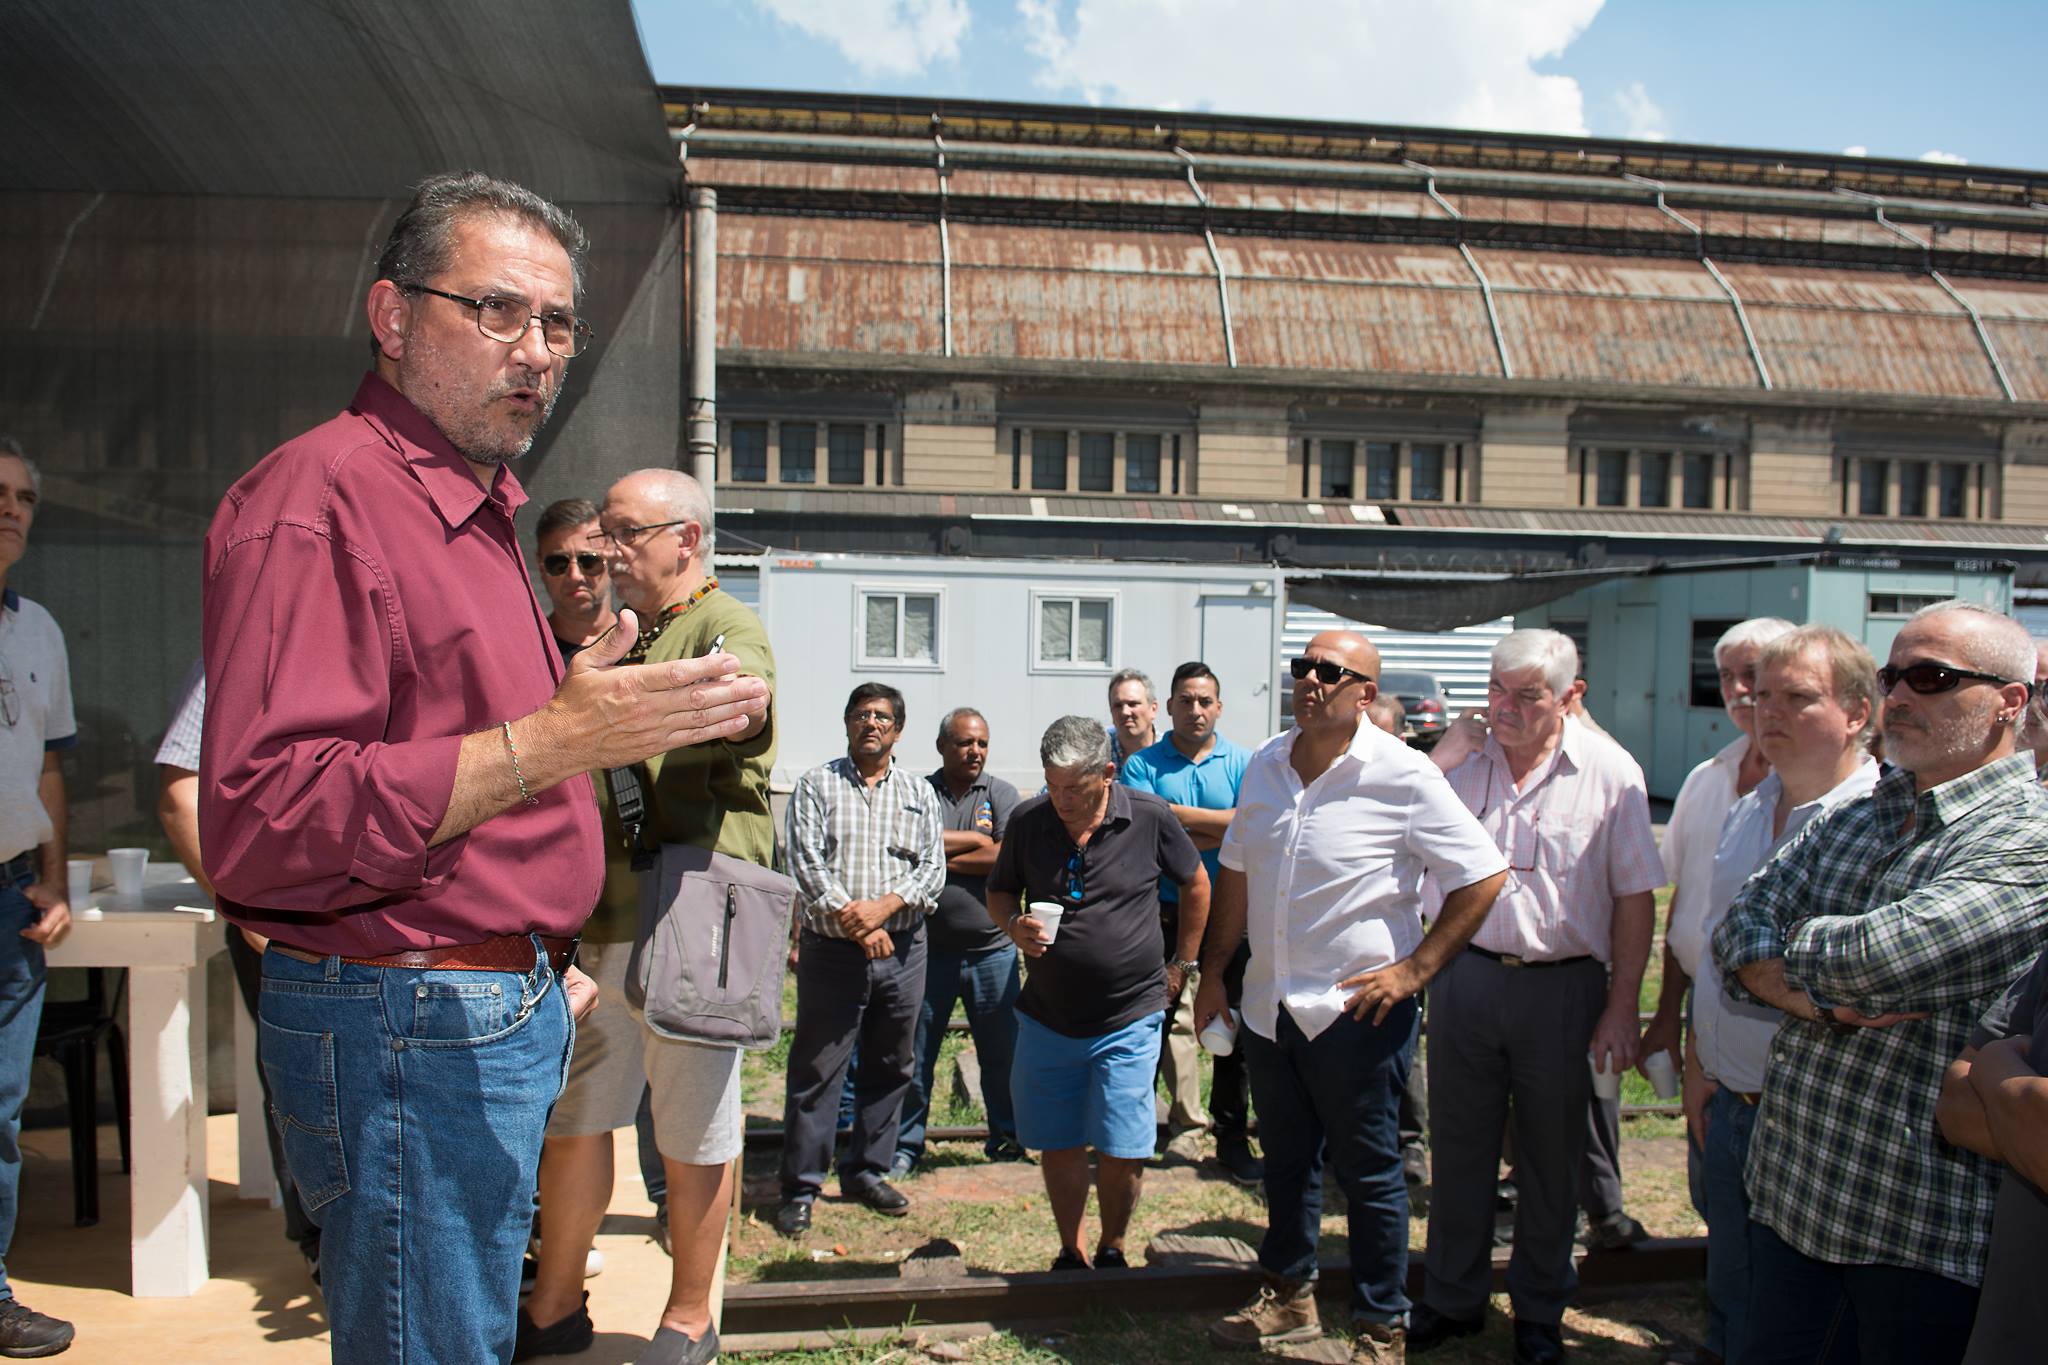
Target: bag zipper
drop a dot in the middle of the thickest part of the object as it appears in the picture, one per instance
(725, 941)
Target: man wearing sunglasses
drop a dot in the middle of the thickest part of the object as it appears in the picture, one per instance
(1323, 868)
(1886, 932)
(574, 574)
(1551, 976)
(393, 782)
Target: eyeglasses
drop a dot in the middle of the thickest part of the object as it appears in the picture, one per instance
(554, 566)
(506, 320)
(885, 719)
(626, 537)
(1327, 673)
(10, 698)
(1930, 678)
(1074, 882)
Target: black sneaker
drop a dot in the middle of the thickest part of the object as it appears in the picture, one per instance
(1428, 1329)
(671, 1347)
(793, 1219)
(1240, 1165)
(1009, 1149)
(26, 1334)
(1110, 1258)
(572, 1334)
(1069, 1260)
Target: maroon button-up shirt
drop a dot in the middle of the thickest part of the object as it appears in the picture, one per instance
(367, 606)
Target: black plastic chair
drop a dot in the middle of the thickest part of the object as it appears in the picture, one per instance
(70, 1035)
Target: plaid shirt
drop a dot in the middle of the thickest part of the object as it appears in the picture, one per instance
(1846, 1163)
(849, 841)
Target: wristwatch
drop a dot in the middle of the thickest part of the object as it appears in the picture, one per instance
(1190, 970)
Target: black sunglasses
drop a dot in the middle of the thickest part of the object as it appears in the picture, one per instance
(1327, 673)
(554, 566)
(1930, 678)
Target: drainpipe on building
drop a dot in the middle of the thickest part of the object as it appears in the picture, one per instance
(701, 430)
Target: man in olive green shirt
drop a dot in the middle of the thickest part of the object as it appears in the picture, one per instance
(657, 523)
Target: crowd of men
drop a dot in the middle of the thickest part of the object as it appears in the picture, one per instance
(428, 805)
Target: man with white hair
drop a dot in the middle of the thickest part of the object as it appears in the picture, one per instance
(1815, 692)
(1886, 932)
(1089, 1017)
(1551, 975)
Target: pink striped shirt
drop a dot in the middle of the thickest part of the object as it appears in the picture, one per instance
(1576, 835)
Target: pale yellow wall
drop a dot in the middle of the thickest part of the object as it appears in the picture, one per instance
(953, 457)
(1244, 453)
(1526, 458)
(2026, 493)
(1793, 470)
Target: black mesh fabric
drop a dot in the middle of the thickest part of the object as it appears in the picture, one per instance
(1439, 603)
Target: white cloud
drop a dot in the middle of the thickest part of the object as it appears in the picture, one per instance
(1461, 63)
(1945, 158)
(881, 37)
(1641, 118)
(1858, 150)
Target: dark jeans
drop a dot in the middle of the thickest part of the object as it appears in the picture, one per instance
(1721, 1160)
(841, 998)
(1808, 1312)
(1336, 1094)
(248, 965)
(986, 983)
(22, 978)
(1230, 1095)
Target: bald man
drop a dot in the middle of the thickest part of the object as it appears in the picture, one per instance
(1322, 873)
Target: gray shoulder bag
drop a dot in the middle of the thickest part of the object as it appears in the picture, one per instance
(713, 941)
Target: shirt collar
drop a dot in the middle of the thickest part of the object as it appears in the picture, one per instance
(1857, 783)
(10, 599)
(945, 788)
(1570, 748)
(1119, 809)
(1957, 797)
(1730, 755)
(435, 462)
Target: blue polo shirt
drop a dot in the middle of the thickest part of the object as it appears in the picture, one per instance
(1210, 784)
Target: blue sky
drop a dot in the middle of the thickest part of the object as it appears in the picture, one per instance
(1892, 78)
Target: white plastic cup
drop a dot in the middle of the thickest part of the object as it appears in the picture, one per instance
(1220, 1037)
(78, 888)
(1048, 913)
(1606, 1084)
(129, 865)
(1663, 1074)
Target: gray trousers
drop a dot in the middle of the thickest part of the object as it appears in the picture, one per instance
(841, 997)
(1499, 1033)
(1600, 1172)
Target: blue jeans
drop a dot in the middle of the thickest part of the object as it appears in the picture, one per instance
(1726, 1209)
(411, 1104)
(1336, 1095)
(1804, 1311)
(987, 983)
(21, 1012)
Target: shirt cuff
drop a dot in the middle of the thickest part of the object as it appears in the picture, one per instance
(407, 800)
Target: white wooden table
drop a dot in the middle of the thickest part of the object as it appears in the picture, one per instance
(164, 938)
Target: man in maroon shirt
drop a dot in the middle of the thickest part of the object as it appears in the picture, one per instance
(394, 784)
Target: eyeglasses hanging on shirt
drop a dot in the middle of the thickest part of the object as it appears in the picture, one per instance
(1518, 841)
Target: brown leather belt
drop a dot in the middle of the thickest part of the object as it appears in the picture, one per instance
(1747, 1098)
(506, 953)
(1510, 960)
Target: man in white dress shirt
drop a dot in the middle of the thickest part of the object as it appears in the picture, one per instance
(1550, 977)
(1322, 872)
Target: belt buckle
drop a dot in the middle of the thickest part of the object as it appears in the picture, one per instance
(1510, 960)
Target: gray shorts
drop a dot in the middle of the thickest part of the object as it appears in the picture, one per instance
(606, 1074)
(697, 1117)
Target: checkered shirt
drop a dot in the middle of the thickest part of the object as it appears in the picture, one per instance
(848, 841)
(1846, 1163)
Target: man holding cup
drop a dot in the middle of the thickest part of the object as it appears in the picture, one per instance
(1087, 858)
(1322, 874)
(1552, 975)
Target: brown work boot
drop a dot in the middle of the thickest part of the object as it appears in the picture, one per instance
(1379, 1343)
(1282, 1310)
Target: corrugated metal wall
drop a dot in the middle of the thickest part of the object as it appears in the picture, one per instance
(1459, 658)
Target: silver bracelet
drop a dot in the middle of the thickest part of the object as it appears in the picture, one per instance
(513, 750)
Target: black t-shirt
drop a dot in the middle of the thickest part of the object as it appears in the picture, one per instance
(1104, 969)
(2012, 1317)
(961, 923)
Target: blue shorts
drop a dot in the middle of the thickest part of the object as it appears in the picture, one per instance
(1087, 1092)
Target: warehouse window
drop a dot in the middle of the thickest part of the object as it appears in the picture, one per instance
(1653, 487)
(846, 453)
(1338, 457)
(1902, 603)
(900, 627)
(1426, 473)
(1955, 490)
(1912, 488)
(1098, 462)
(1141, 463)
(1871, 477)
(1073, 631)
(750, 452)
(799, 452)
(1698, 490)
(1611, 478)
(1382, 471)
(1049, 460)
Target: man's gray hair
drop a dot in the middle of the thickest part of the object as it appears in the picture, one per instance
(1124, 675)
(10, 446)
(2008, 649)
(1757, 630)
(1073, 743)
(423, 238)
(1548, 650)
(957, 713)
(680, 498)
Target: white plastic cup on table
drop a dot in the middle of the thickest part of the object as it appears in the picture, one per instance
(1220, 1037)
(78, 888)
(1663, 1074)
(129, 865)
(1048, 913)
(1606, 1083)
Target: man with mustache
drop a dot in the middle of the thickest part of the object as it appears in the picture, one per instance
(393, 782)
(1885, 933)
